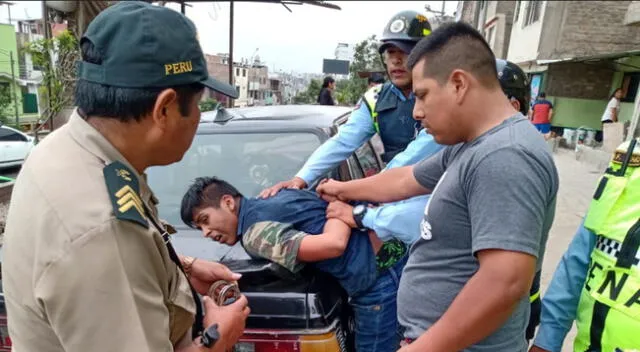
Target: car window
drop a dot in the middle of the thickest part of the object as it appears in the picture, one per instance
(7, 135)
(367, 159)
(249, 161)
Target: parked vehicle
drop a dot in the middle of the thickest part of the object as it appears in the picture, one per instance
(254, 148)
(14, 147)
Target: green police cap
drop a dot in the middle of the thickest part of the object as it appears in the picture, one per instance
(147, 46)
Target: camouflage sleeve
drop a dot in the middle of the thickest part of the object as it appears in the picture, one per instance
(275, 241)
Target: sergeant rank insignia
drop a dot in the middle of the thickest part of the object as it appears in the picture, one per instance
(123, 189)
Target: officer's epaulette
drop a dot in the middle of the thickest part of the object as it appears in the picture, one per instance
(124, 190)
(621, 153)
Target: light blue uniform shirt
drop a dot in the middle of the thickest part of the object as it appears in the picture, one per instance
(402, 219)
(560, 302)
(351, 136)
(399, 220)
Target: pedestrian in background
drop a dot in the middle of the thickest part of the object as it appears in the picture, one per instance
(325, 97)
(613, 107)
(541, 114)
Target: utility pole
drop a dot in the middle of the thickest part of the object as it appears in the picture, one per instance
(15, 93)
(231, 50)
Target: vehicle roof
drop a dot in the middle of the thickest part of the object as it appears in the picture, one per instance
(278, 116)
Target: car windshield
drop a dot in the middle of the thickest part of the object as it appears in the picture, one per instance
(249, 161)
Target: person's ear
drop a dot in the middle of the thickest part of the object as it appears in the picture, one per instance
(460, 81)
(228, 202)
(166, 102)
(516, 104)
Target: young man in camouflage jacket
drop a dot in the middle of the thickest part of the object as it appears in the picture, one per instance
(291, 230)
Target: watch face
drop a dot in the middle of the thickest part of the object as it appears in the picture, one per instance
(359, 209)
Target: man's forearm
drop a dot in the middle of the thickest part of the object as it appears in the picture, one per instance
(482, 306)
(331, 243)
(389, 186)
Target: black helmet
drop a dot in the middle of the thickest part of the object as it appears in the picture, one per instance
(514, 83)
(404, 30)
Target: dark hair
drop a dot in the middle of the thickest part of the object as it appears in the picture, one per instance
(376, 78)
(542, 95)
(453, 46)
(204, 192)
(124, 104)
(614, 93)
(327, 80)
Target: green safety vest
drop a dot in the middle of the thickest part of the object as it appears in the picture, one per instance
(370, 98)
(608, 316)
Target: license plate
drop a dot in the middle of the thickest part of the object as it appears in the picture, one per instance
(244, 347)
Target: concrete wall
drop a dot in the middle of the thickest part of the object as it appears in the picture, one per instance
(525, 40)
(579, 80)
(468, 14)
(589, 28)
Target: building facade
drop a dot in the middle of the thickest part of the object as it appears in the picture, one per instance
(578, 52)
(10, 72)
(494, 19)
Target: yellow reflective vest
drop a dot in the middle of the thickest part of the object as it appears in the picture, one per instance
(608, 316)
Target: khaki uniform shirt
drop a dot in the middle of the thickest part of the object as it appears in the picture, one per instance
(75, 276)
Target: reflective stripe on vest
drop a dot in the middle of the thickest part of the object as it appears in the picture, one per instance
(608, 316)
(371, 98)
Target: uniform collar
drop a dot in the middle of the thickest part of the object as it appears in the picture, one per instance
(399, 93)
(95, 143)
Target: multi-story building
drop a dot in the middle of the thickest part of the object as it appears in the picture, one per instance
(250, 80)
(31, 76)
(344, 51)
(18, 77)
(578, 52)
(493, 19)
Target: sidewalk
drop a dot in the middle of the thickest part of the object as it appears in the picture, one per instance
(577, 182)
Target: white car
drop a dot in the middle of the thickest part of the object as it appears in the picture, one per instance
(14, 147)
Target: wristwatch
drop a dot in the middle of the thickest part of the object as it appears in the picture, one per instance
(210, 336)
(358, 215)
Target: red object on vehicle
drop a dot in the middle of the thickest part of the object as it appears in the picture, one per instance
(5, 340)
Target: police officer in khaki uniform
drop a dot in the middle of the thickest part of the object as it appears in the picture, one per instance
(87, 265)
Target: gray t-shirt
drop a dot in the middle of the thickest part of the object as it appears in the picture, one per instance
(495, 192)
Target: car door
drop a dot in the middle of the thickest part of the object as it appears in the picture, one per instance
(15, 146)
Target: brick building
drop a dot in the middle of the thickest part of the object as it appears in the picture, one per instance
(493, 19)
(578, 52)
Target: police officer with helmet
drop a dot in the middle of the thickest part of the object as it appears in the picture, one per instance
(87, 263)
(515, 85)
(385, 109)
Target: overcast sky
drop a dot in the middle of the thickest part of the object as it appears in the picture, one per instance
(289, 41)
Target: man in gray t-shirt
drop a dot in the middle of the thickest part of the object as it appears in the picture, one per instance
(466, 284)
(495, 192)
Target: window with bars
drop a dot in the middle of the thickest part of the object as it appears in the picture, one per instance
(532, 14)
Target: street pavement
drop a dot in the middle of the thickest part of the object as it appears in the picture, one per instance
(577, 184)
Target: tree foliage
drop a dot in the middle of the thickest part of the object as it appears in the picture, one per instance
(57, 57)
(6, 100)
(310, 95)
(348, 91)
(365, 58)
(208, 104)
